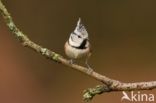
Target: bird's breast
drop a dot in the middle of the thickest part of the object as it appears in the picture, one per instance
(75, 53)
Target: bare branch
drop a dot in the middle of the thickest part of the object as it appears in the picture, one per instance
(109, 85)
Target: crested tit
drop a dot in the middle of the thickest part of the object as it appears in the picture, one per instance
(78, 45)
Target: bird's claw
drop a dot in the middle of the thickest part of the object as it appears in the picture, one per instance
(71, 61)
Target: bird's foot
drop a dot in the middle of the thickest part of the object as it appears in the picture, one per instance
(71, 61)
(90, 70)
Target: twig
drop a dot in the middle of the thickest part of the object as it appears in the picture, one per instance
(109, 85)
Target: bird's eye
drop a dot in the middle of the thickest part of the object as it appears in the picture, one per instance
(79, 36)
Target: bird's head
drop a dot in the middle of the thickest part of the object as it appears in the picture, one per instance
(79, 35)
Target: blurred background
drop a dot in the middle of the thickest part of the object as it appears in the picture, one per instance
(123, 38)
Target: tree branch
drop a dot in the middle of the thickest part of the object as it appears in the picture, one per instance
(109, 85)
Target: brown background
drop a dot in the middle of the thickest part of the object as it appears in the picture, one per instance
(123, 38)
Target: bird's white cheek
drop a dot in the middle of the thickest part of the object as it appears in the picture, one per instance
(74, 42)
(79, 41)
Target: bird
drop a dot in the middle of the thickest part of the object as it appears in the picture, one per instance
(78, 46)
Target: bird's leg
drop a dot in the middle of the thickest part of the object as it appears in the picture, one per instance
(88, 66)
(71, 61)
